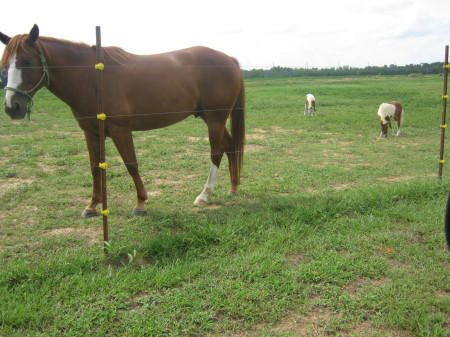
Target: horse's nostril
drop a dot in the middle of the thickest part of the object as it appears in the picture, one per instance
(16, 107)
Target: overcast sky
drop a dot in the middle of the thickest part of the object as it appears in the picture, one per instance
(260, 34)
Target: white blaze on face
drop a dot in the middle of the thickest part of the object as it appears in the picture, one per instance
(14, 80)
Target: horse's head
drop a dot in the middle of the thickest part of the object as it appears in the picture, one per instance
(384, 130)
(385, 124)
(27, 72)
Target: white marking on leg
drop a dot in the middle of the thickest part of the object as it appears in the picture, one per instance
(14, 80)
(209, 186)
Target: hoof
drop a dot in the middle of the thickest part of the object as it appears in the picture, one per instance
(89, 214)
(199, 201)
(138, 212)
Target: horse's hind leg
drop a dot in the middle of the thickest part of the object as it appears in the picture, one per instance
(228, 149)
(216, 138)
(398, 127)
(123, 140)
(209, 186)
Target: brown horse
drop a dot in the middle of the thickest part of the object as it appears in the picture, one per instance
(140, 93)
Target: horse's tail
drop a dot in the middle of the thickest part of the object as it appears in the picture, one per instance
(238, 134)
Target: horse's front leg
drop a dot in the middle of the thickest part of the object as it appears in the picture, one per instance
(93, 145)
(123, 140)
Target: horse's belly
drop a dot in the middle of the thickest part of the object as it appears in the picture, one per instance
(151, 121)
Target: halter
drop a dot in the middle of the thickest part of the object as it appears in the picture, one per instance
(44, 78)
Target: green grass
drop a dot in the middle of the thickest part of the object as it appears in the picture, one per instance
(334, 232)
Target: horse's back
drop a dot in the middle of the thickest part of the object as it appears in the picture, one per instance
(200, 68)
(389, 109)
(310, 98)
(216, 76)
(165, 88)
(198, 57)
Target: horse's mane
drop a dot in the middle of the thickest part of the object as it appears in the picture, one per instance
(11, 49)
(115, 55)
(112, 55)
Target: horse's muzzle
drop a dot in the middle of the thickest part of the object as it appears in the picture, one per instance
(384, 130)
(16, 111)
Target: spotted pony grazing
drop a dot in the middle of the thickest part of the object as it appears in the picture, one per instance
(386, 112)
(310, 105)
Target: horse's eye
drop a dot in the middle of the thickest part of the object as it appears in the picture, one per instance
(25, 63)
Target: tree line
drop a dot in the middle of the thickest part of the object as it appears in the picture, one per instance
(422, 69)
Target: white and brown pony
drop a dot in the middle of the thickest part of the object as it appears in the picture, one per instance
(388, 111)
(142, 92)
(310, 105)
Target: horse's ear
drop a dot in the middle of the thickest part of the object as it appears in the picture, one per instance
(34, 33)
(4, 38)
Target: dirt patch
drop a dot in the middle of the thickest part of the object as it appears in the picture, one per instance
(135, 307)
(13, 183)
(197, 139)
(259, 130)
(154, 193)
(172, 181)
(313, 323)
(47, 168)
(396, 178)
(318, 323)
(342, 186)
(394, 264)
(296, 259)
(354, 288)
(312, 190)
(442, 294)
(278, 129)
(203, 207)
(168, 182)
(404, 177)
(365, 329)
(255, 136)
(92, 234)
(253, 148)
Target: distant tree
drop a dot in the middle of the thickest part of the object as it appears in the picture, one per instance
(423, 68)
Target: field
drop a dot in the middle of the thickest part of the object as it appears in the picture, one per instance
(334, 232)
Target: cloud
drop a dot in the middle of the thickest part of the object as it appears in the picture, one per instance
(286, 32)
